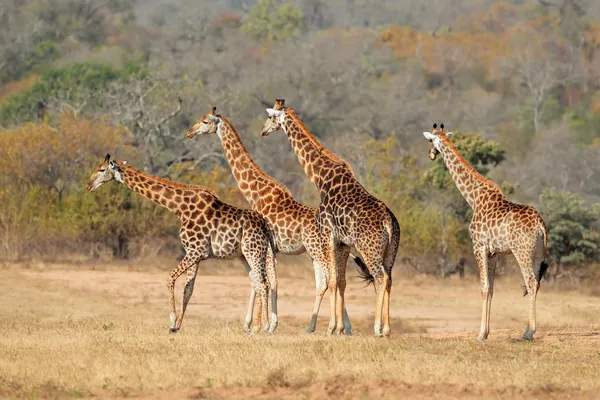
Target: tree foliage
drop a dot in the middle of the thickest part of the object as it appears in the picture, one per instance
(271, 20)
(573, 228)
(73, 84)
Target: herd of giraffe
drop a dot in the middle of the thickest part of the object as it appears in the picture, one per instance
(348, 217)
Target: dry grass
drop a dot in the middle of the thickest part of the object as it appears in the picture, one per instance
(104, 334)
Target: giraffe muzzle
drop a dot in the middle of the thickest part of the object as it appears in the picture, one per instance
(191, 133)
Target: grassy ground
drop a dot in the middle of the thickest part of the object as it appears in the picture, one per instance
(83, 333)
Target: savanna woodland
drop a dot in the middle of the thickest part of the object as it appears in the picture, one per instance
(516, 81)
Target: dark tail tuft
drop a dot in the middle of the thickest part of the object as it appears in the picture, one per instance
(542, 271)
(539, 276)
(363, 271)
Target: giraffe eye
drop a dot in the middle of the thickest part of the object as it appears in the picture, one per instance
(205, 122)
(102, 169)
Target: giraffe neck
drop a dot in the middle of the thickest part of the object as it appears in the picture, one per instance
(314, 158)
(468, 181)
(162, 192)
(249, 177)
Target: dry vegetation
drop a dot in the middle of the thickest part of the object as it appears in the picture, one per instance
(103, 333)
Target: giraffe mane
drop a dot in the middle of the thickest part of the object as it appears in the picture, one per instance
(334, 158)
(464, 162)
(254, 165)
(125, 167)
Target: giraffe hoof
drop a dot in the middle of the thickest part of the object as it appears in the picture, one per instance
(528, 335)
(481, 338)
(377, 331)
(386, 333)
(310, 329)
(173, 330)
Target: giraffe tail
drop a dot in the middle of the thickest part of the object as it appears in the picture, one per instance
(272, 253)
(363, 271)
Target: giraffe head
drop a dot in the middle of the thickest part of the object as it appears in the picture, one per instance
(434, 138)
(105, 172)
(206, 125)
(276, 118)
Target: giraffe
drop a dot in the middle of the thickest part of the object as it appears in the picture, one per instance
(294, 225)
(498, 226)
(355, 217)
(209, 229)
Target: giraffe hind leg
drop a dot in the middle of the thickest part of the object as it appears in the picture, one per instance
(528, 260)
(321, 288)
(271, 263)
(251, 302)
(187, 293)
(487, 291)
(342, 320)
(388, 263)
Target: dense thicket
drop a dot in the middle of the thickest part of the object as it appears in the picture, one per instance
(518, 81)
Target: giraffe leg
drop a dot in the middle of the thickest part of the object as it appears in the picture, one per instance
(333, 284)
(250, 314)
(256, 257)
(342, 325)
(386, 307)
(271, 273)
(183, 266)
(528, 259)
(491, 261)
(321, 288)
(187, 293)
(389, 259)
(481, 256)
(332, 301)
(373, 259)
(381, 282)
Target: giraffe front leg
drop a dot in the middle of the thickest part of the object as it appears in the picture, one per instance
(481, 256)
(185, 263)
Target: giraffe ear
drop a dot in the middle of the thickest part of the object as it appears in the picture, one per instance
(273, 113)
(448, 135)
(429, 135)
(113, 165)
(214, 118)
